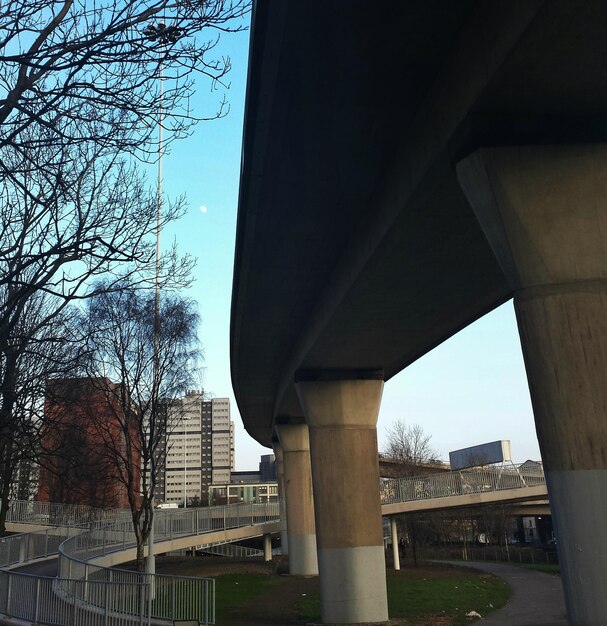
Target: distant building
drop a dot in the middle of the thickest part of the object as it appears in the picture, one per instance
(243, 493)
(267, 469)
(248, 486)
(76, 466)
(199, 448)
(245, 477)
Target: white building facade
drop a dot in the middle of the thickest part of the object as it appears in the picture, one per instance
(200, 449)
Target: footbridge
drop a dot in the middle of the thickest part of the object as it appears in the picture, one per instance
(89, 543)
(465, 488)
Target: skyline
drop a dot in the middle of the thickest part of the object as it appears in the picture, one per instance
(469, 390)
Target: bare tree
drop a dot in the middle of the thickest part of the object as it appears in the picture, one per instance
(149, 382)
(56, 238)
(32, 354)
(75, 71)
(409, 445)
(80, 86)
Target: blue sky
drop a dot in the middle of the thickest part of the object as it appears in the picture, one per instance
(470, 390)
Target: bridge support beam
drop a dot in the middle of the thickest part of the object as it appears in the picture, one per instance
(342, 415)
(544, 212)
(280, 479)
(295, 444)
(267, 547)
(394, 534)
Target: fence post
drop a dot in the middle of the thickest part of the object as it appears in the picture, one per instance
(173, 598)
(22, 545)
(9, 593)
(141, 602)
(105, 600)
(36, 614)
(74, 604)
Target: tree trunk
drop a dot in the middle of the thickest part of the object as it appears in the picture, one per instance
(5, 485)
(140, 555)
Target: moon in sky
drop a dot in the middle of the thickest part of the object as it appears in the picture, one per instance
(203, 209)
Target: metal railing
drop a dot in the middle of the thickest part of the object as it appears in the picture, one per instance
(24, 547)
(95, 595)
(53, 514)
(461, 483)
(78, 550)
(231, 550)
(35, 599)
(175, 597)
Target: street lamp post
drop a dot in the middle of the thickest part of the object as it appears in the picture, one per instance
(163, 35)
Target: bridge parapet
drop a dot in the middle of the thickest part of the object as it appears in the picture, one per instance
(462, 483)
(85, 557)
(86, 591)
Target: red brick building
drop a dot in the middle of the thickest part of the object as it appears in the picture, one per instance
(85, 451)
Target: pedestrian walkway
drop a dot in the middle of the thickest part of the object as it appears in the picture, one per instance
(537, 598)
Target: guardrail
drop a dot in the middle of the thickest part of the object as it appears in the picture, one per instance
(53, 514)
(16, 549)
(460, 483)
(35, 599)
(85, 593)
(174, 597)
(231, 550)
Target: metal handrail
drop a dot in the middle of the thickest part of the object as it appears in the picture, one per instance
(461, 483)
(55, 514)
(108, 596)
(76, 553)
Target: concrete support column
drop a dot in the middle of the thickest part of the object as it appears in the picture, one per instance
(394, 533)
(342, 415)
(267, 547)
(280, 479)
(295, 444)
(544, 212)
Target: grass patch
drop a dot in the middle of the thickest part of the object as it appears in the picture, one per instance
(449, 597)
(427, 597)
(235, 589)
(547, 568)
(249, 594)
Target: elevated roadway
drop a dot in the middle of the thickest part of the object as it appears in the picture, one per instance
(407, 167)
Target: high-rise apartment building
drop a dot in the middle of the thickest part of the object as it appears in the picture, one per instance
(200, 448)
(84, 445)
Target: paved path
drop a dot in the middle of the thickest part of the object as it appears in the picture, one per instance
(46, 567)
(537, 598)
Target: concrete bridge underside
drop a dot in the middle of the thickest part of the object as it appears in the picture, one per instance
(407, 167)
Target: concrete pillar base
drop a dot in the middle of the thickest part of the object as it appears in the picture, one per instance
(352, 584)
(342, 414)
(295, 444)
(303, 559)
